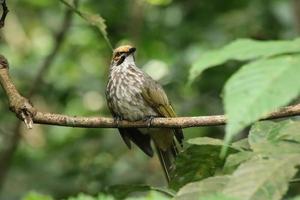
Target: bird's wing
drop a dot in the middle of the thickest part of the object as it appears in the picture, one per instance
(143, 141)
(156, 97)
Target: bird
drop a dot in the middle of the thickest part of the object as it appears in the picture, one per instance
(133, 95)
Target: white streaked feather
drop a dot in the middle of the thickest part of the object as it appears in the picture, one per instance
(126, 98)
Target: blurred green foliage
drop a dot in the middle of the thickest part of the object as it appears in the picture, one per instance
(171, 34)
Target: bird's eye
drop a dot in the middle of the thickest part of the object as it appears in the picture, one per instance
(118, 54)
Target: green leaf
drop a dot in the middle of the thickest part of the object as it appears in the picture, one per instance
(123, 191)
(275, 137)
(93, 19)
(263, 178)
(240, 145)
(159, 2)
(196, 163)
(234, 160)
(259, 88)
(205, 141)
(295, 198)
(218, 196)
(202, 188)
(242, 50)
(152, 195)
(89, 197)
(36, 196)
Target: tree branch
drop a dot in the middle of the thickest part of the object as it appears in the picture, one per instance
(17, 103)
(21, 106)
(4, 13)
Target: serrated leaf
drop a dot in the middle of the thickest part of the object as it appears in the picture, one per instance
(93, 19)
(202, 188)
(242, 50)
(259, 88)
(195, 163)
(275, 137)
(263, 178)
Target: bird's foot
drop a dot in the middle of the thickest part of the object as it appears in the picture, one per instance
(149, 120)
(117, 120)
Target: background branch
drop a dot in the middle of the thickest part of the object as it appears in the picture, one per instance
(4, 13)
(59, 38)
(20, 105)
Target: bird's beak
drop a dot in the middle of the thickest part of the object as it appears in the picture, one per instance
(124, 55)
(132, 50)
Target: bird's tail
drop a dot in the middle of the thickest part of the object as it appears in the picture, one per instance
(167, 159)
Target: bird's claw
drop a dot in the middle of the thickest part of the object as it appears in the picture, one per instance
(117, 120)
(149, 120)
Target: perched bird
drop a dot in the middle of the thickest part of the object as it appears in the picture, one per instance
(133, 95)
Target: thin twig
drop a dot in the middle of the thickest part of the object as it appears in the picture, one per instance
(93, 19)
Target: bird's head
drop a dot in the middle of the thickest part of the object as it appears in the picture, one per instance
(121, 53)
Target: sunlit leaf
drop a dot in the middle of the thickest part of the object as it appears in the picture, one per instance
(240, 145)
(242, 50)
(263, 178)
(218, 196)
(205, 141)
(259, 88)
(193, 191)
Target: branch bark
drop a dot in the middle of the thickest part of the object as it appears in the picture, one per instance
(20, 104)
(17, 103)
